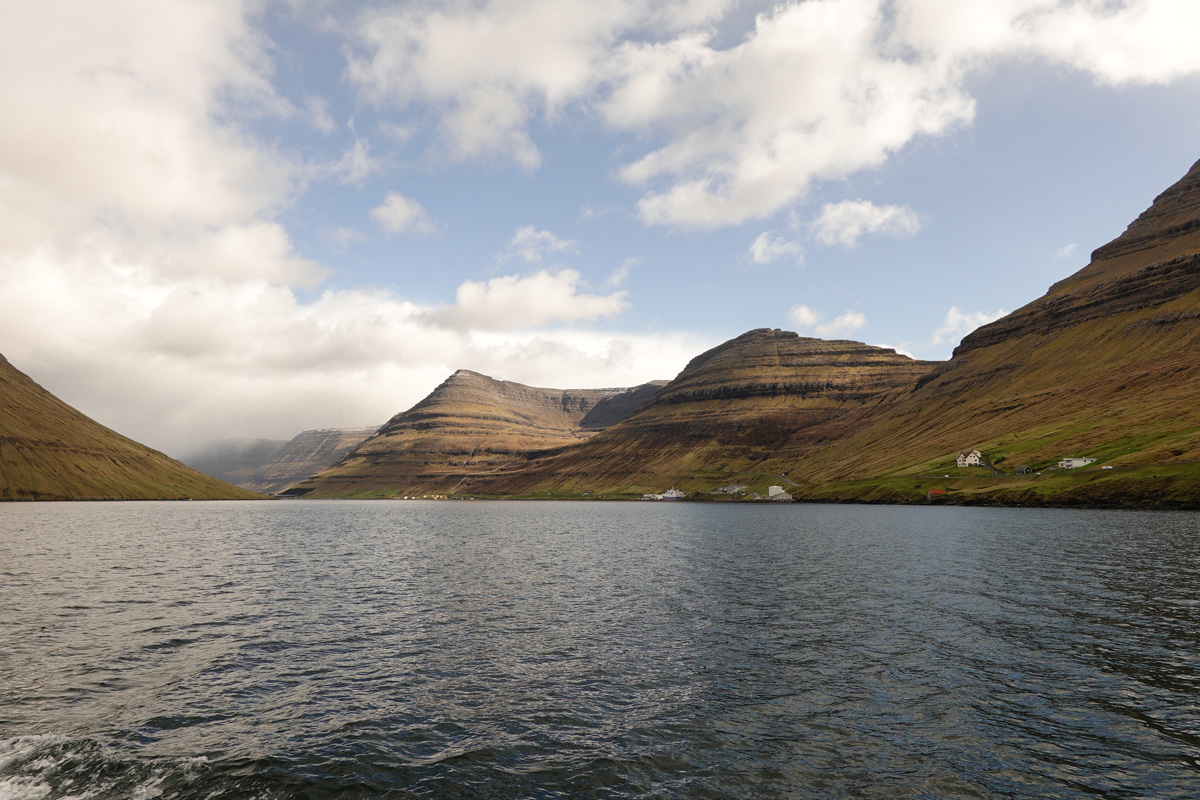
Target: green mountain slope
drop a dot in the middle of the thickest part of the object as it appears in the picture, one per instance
(1105, 365)
(50, 451)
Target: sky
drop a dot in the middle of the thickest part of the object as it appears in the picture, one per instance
(246, 218)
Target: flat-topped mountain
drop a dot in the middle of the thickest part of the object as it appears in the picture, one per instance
(50, 451)
(1105, 365)
(272, 465)
(729, 408)
(469, 425)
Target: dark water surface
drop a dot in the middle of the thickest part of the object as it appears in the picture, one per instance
(609, 650)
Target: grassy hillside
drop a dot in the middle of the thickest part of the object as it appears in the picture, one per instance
(50, 451)
(1105, 365)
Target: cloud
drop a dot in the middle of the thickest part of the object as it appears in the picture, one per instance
(513, 302)
(815, 91)
(804, 318)
(317, 109)
(147, 281)
(1067, 251)
(532, 245)
(846, 222)
(357, 164)
(846, 323)
(621, 273)
(400, 214)
(959, 323)
(174, 361)
(767, 248)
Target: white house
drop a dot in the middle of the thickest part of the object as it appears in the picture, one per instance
(777, 493)
(1074, 463)
(970, 458)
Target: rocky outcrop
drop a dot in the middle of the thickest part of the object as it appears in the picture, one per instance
(471, 425)
(50, 451)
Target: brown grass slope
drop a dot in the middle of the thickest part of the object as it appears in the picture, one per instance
(50, 451)
(470, 425)
(1106, 364)
(727, 412)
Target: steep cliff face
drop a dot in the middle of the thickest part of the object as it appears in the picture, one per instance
(730, 408)
(1105, 364)
(50, 451)
(236, 461)
(308, 453)
(470, 425)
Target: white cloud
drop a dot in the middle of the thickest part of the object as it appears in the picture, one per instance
(622, 272)
(514, 302)
(846, 323)
(959, 323)
(146, 280)
(357, 164)
(767, 248)
(817, 90)
(1067, 251)
(112, 112)
(173, 361)
(846, 222)
(319, 117)
(804, 318)
(399, 214)
(532, 245)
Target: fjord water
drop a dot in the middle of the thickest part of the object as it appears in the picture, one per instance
(610, 650)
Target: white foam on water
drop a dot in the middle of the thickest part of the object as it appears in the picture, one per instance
(19, 787)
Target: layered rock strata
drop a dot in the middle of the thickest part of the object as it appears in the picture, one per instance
(1105, 364)
(743, 401)
(470, 426)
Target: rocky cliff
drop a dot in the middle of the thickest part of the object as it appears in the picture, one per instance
(307, 454)
(50, 451)
(470, 425)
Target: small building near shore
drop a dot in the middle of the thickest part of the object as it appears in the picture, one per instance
(1074, 463)
(970, 458)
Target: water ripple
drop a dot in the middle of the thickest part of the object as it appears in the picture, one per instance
(329, 649)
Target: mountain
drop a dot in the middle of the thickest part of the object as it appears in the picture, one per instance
(50, 451)
(236, 461)
(307, 454)
(272, 465)
(730, 409)
(1105, 365)
(471, 425)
